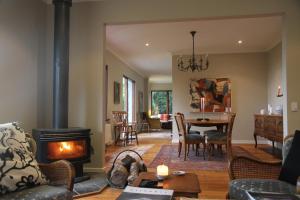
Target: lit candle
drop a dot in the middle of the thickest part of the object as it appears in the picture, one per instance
(162, 171)
(202, 103)
(279, 91)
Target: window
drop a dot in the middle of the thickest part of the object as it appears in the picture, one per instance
(161, 102)
(128, 97)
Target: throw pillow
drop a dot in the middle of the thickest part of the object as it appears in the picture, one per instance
(18, 167)
(290, 170)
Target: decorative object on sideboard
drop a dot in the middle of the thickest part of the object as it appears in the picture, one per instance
(262, 111)
(278, 109)
(186, 63)
(270, 109)
(279, 91)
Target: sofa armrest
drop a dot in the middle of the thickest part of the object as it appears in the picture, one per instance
(59, 173)
(241, 167)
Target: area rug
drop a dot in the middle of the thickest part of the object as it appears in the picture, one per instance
(164, 134)
(94, 185)
(140, 149)
(168, 155)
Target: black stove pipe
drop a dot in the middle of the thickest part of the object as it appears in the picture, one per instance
(61, 63)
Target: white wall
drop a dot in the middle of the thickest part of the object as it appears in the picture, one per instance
(274, 76)
(21, 58)
(116, 70)
(248, 74)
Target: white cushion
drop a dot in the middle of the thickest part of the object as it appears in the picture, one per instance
(18, 167)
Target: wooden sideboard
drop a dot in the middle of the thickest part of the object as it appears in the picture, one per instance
(269, 127)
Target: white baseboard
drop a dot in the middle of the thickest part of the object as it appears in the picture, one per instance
(249, 142)
(175, 140)
(92, 169)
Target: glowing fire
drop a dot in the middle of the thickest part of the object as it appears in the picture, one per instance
(65, 146)
(66, 150)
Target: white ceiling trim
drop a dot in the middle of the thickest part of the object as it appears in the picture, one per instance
(126, 63)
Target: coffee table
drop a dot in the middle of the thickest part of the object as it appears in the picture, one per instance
(186, 185)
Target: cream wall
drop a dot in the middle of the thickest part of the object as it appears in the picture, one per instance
(274, 76)
(87, 24)
(116, 70)
(21, 58)
(248, 74)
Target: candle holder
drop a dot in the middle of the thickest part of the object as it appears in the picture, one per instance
(162, 172)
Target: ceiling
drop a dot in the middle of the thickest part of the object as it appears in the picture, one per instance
(128, 41)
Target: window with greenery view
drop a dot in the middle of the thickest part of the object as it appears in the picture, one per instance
(161, 102)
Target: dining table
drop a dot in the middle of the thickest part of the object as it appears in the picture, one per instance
(219, 123)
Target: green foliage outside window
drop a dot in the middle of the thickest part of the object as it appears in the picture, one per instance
(161, 102)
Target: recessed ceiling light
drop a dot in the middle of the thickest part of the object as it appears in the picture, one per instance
(240, 41)
(147, 44)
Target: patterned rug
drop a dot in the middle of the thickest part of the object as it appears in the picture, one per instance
(168, 155)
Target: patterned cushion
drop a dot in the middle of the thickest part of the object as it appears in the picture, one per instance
(213, 131)
(194, 132)
(194, 137)
(44, 192)
(18, 167)
(217, 136)
(238, 187)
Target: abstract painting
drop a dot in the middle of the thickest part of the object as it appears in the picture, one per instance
(216, 93)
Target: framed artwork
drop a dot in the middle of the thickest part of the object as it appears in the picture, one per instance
(116, 92)
(215, 95)
(140, 101)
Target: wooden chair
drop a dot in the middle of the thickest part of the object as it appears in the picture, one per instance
(222, 138)
(144, 122)
(188, 139)
(251, 174)
(122, 127)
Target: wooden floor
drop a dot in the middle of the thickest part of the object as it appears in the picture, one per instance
(213, 184)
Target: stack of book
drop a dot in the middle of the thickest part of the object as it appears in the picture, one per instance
(136, 193)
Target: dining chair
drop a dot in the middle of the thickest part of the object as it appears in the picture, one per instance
(125, 129)
(190, 131)
(222, 138)
(188, 139)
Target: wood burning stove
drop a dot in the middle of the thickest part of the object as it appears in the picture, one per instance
(72, 144)
(61, 142)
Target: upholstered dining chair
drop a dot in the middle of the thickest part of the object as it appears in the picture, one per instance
(222, 138)
(190, 131)
(188, 139)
